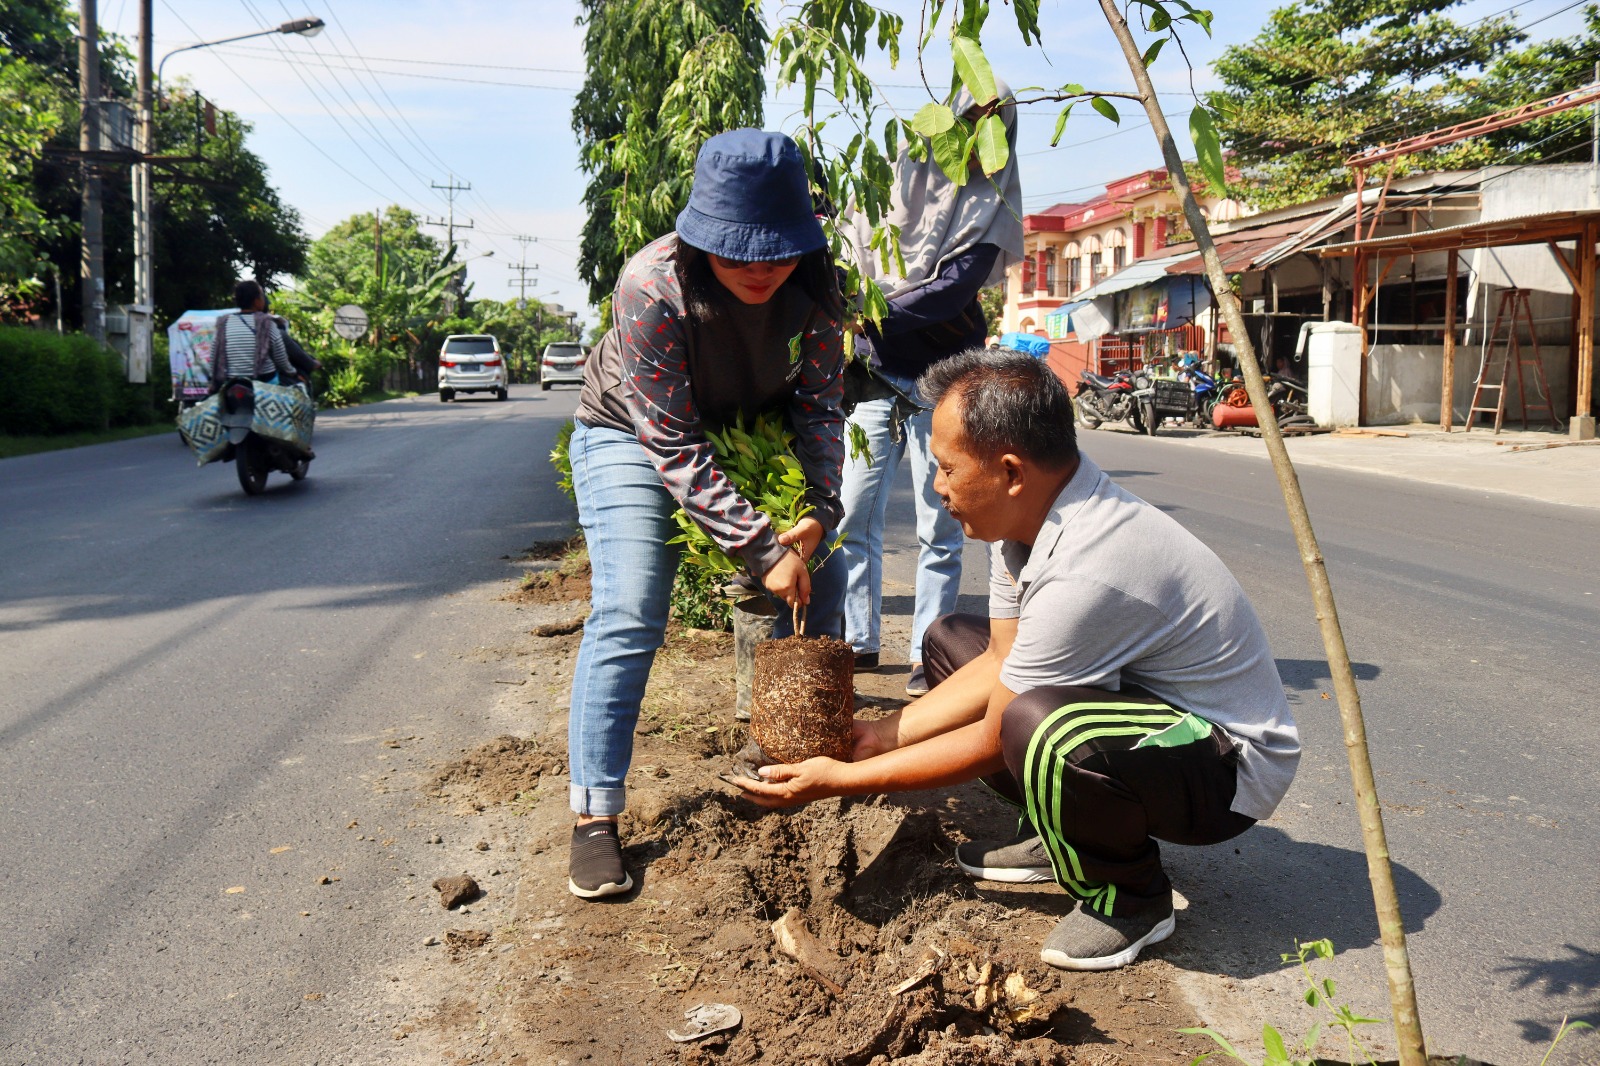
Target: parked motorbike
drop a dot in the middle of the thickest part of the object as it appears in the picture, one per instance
(1102, 399)
(253, 455)
(1205, 392)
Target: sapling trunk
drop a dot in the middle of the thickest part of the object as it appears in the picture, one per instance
(1402, 992)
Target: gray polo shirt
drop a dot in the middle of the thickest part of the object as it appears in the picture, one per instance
(1115, 593)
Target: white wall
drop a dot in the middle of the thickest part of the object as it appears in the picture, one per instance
(1403, 382)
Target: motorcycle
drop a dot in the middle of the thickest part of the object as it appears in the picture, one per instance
(1104, 399)
(1206, 391)
(255, 456)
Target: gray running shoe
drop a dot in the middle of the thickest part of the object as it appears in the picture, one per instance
(1021, 860)
(595, 868)
(1089, 940)
(917, 683)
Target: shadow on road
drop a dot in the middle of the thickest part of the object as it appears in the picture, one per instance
(1577, 972)
(1306, 675)
(1251, 898)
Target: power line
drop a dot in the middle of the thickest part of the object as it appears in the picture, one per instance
(315, 147)
(298, 69)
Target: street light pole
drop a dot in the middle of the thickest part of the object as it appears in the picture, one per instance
(144, 285)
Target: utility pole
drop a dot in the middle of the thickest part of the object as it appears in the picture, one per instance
(91, 264)
(449, 222)
(142, 314)
(521, 282)
(377, 243)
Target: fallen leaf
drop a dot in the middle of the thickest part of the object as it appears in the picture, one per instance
(235, 890)
(281, 848)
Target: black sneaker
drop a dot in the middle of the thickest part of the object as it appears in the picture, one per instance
(595, 868)
(1021, 860)
(866, 661)
(1089, 940)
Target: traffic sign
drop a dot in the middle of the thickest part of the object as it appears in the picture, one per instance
(350, 322)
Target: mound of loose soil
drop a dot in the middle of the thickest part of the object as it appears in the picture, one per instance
(885, 953)
(497, 772)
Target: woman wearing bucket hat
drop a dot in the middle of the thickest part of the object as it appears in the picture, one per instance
(705, 318)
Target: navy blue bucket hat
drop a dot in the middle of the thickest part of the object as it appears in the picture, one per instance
(750, 199)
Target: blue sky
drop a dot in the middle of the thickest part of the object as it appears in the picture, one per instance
(397, 95)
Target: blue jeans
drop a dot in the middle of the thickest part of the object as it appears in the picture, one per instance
(865, 492)
(626, 514)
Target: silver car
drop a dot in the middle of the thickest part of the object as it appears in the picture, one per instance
(562, 362)
(471, 362)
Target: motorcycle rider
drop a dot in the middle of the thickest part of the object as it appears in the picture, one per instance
(242, 351)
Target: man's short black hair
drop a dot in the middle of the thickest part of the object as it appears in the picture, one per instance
(1010, 402)
(246, 293)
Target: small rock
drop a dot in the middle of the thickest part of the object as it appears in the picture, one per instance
(436, 839)
(431, 941)
(324, 880)
(454, 891)
(482, 845)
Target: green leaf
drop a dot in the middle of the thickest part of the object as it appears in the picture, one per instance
(933, 120)
(1154, 50)
(1102, 105)
(875, 308)
(1208, 149)
(973, 67)
(1327, 987)
(1028, 19)
(1311, 997)
(1072, 88)
(950, 152)
(1159, 20)
(1277, 1054)
(1323, 948)
(993, 151)
(1061, 125)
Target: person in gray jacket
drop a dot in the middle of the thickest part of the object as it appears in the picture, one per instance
(1120, 692)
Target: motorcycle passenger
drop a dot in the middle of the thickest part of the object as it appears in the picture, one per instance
(242, 351)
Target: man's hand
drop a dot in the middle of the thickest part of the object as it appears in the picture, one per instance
(873, 738)
(789, 785)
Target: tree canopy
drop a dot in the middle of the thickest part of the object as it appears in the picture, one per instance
(215, 219)
(1326, 78)
(692, 68)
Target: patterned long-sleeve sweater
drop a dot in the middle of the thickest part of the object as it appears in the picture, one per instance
(663, 376)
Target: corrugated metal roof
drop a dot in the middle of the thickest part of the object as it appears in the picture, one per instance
(1141, 272)
(1515, 229)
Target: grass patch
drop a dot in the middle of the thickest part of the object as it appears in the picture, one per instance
(11, 447)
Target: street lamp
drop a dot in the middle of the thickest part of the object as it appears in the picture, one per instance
(144, 288)
(306, 27)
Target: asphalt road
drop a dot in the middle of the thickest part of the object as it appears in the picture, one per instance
(209, 702)
(1474, 623)
(192, 681)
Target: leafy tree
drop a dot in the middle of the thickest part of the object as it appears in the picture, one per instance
(692, 68)
(1325, 78)
(1543, 68)
(220, 221)
(215, 220)
(399, 282)
(29, 117)
(523, 332)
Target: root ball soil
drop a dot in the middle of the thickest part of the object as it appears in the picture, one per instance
(802, 698)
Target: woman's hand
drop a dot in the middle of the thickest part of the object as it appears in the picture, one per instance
(807, 533)
(789, 580)
(789, 785)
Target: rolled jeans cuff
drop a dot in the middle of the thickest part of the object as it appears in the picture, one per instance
(597, 802)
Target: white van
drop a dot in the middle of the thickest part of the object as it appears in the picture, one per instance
(471, 362)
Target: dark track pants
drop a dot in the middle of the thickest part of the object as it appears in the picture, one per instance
(1102, 776)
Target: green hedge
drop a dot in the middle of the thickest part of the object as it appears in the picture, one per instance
(53, 383)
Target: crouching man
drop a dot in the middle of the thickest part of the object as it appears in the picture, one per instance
(1120, 692)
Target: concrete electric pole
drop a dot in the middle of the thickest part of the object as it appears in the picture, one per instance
(449, 223)
(91, 269)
